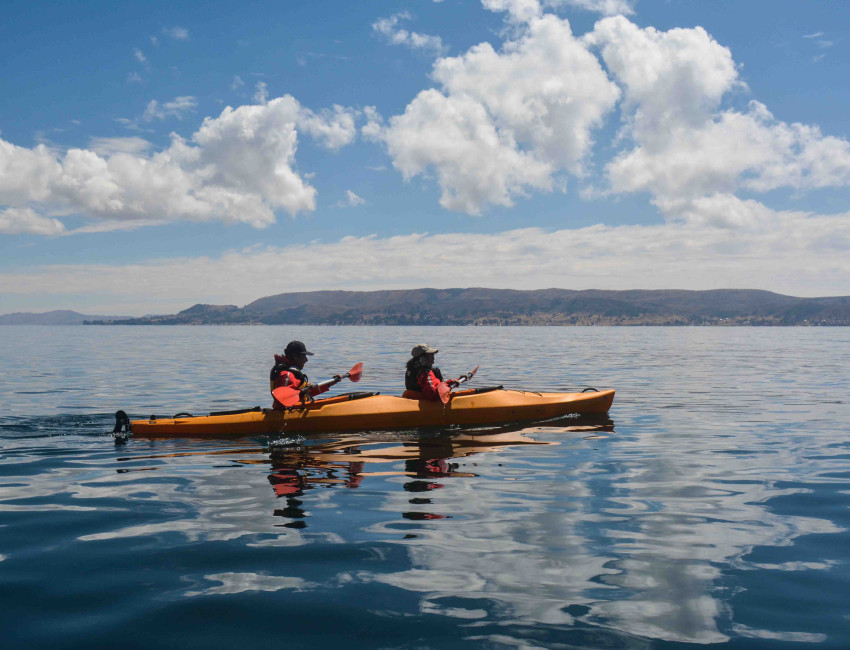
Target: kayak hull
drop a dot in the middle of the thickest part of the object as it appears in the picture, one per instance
(383, 412)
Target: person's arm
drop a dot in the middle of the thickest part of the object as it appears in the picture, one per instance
(451, 382)
(317, 389)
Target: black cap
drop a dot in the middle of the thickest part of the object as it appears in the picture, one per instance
(295, 348)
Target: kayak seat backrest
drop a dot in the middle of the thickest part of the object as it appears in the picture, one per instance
(412, 394)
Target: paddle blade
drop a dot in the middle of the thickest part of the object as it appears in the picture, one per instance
(443, 391)
(356, 373)
(287, 395)
(472, 373)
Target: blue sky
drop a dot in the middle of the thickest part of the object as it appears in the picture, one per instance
(154, 155)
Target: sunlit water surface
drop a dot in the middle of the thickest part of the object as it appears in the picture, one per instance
(715, 510)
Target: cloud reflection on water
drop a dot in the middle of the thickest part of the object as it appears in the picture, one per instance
(235, 583)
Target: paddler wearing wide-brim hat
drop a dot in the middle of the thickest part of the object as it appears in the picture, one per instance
(421, 375)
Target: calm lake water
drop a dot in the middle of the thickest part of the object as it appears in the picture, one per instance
(714, 512)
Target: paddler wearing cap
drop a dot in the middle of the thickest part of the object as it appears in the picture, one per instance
(421, 375)
(288, 370)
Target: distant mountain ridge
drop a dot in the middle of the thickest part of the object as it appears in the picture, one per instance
(56, 317)
(476, 306)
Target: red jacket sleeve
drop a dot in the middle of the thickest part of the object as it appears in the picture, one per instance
(428, 383)
(287, 378)
(315, 390)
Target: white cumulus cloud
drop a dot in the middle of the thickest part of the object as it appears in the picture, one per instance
(15, 221)
(686, 147)
(238, 167)
(504, 122)
(522, 11)
(475, 163)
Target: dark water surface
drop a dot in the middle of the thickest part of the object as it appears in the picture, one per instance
(714, 512)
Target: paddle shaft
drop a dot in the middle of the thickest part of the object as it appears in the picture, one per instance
(354, 375)
(444, 389)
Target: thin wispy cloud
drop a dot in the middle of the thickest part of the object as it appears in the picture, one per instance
(111, 146)
(177, 33)
(261, 93)
(605, 7)
(821, 43)
(389, 27)
(799, 252)
(139, 55)
(351, 200)
(175, 108)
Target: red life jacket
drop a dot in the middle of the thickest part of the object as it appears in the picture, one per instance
(285, 373)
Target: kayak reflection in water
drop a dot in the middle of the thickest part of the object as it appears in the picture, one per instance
(422, 379)
(288, 371)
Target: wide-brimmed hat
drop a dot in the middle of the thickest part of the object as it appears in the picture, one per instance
(423, 348)
(295, 348)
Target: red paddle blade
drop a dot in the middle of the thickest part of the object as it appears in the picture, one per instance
(287, 395)
(356, 372)
(443, 391)
(472, 374)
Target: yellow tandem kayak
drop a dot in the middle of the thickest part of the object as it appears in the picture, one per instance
(364, 411)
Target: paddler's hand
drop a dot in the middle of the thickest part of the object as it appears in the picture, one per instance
(337, 379)
(305, 392)
(453, 383)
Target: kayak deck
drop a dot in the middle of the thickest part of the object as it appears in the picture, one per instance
(375, 411)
